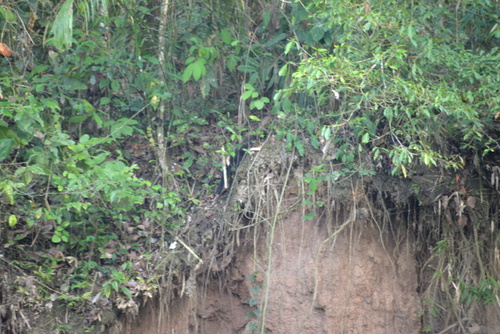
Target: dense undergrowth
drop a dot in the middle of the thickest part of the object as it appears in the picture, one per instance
(108, 139)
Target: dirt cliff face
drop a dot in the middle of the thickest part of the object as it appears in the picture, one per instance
(340, 272)
(356, 282)
(366, 255)
(353, 283)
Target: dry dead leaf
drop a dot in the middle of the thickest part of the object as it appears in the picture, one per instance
(448, 216)
(471, 202)
(5, 50)
(462, 221)
(444, 201)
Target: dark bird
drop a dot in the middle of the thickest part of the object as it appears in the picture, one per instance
(229, 170)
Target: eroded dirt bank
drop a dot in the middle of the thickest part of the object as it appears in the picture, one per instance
(351, 282)
(373, 256)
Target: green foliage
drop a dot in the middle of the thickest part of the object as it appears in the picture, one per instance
(486, 291)
(404, 90)
(254, 302)
(63, 26)
(116, 283)
(85, 195)
(256, 102)
(64, 182)
(387, 90)
(202, 57)
(60, 233)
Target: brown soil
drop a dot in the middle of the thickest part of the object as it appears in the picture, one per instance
(355, 282)
(364, 264)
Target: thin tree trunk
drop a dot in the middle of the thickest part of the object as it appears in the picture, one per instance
(161, 150)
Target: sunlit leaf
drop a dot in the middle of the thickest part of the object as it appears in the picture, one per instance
(309, 216)
(366, 138)
(62, 28)
(12, 220)
(283, 70)
(56, 239)
(246, 95)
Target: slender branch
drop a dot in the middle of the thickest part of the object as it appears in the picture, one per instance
(161, 149)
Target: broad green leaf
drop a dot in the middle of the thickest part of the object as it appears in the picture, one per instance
(289, 46)
(309, 216)
(276, 39)
(39, 69)
(27, 176)
(256, 288)
(258, 104)
(56, 239)
(77, 119)
(188, 72)
(85, 138)
(6, 133)
(231, 62)
(188, 163)
(6, 146)
(366, 138)
(97, 119)
(104, 100)
(326, 132)
(37, 169)
(113, 196)
(247, 69)
(246, 95)
(305, 36)
(190, 60)
(199, 69)
(115, 86)
(300, 147)
(7, 14)
(62, 27)
(50, 103)
(411, 31)
(100, 158)
(73, 84)
(226, 36)
(153, 60)
(104, 83)
(8, 192)
(317, 34)
(126, 291)
(283, 70)
(195, 70)
(107, 290)
(12, 220)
